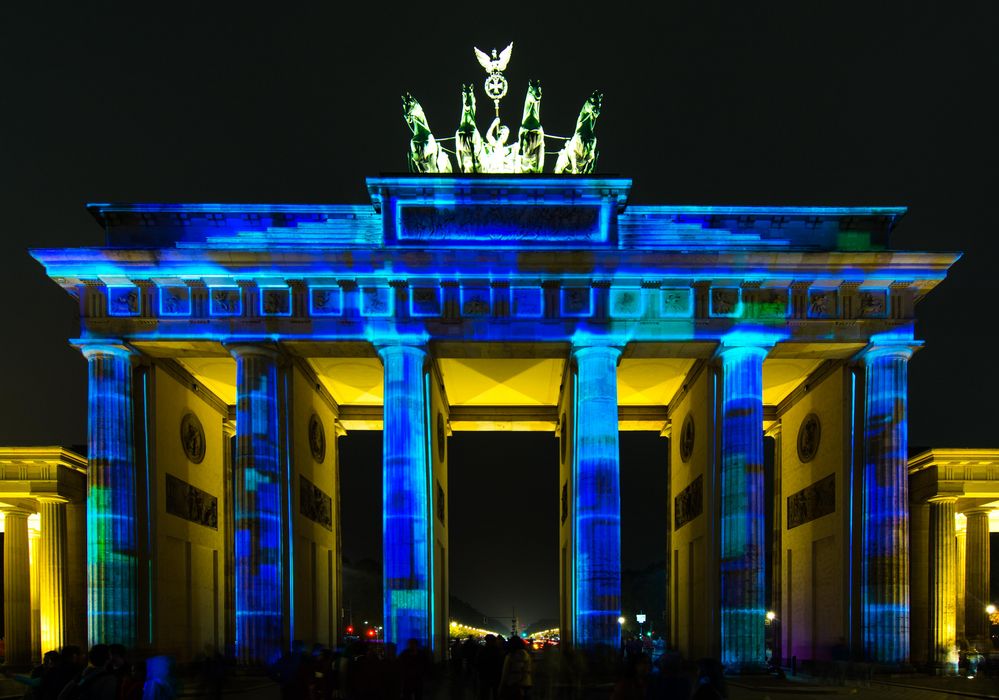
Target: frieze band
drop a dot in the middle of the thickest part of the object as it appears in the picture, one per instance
(812, 502)
(689, 503)
(191, 503)
(315, 504)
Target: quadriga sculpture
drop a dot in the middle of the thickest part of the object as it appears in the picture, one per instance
(579, 154)
(425, 154)
(467, 139)
(531, 139)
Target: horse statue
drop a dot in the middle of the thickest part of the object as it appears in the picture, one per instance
(531, 139)
(467, 139)
(579, 155)
(425, 154)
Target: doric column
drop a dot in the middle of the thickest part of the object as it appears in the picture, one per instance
(976, 577)
(111, 535)
(52, 574)
(406, 492)
(36, 611)
(597, 499)
(776, 543)
(229, 545)
(943, 579)
(743, 612)
(16, 589)
(960, 550)
(258, 515)
(884, 585)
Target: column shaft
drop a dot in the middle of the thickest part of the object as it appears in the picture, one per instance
(406, 497)
(258, 507)
(742, 509)
(52, 575)
(960, 546)
(943, 582)
(885, 565)
(16, 590)
(597, 496)
(111, 535)
(977, 563)
(36, 612)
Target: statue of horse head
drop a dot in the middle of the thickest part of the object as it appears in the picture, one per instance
(412, 112)
(587, 121)
(532, 106)
(467, 106)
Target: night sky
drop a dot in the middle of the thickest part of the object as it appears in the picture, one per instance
(705, 103)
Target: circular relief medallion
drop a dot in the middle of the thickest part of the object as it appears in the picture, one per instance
(564, 438)
(809, 435)
(687, 438)
(192, 437)
(317, 439)
(441, 438)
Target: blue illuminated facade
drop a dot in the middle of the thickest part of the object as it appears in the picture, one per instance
(522, 267)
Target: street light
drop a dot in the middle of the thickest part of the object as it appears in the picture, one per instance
(990, 609)
(640, 619)
(771, 616)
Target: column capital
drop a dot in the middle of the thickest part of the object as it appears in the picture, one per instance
(94, 347)
(265, 347)
(977, 511)
(737, 345)
(902, 348)
(15, 511)
(942, 498)
(585, 349)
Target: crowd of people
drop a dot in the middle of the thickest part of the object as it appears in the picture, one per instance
(103, 673)
(492, 668)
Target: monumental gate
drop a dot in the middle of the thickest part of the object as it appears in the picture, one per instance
(495, 302)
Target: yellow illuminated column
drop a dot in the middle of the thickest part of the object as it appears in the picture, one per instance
(52, 574)
(960, 548)
(977, 576)
(36, 617)
(943, 593)
(16, 589)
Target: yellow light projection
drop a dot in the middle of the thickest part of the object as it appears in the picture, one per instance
(782, 376)
(351, 380)
(506, 382)
(216, 373)
(650, 382)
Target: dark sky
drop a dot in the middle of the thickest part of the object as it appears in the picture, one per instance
(706, 102)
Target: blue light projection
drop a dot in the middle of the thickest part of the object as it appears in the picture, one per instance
(111, 509)
(175, 301)
(225, 301)
(258, 511)
(884, 587)
(742, 509)
(325, 301)
(597, 499)
(123, 301)
(526, 302)
(405, 497)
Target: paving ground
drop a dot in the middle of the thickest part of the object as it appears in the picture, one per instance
(888, 688)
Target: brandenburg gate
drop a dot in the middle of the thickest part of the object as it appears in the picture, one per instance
(229, 345)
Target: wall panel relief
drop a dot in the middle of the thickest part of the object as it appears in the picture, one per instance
(812, 502)
(315, 504)
(191, 503)
(689, 503)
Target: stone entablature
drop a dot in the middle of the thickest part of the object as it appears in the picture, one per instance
(964, 473)
(517, 255)
(52, 473)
